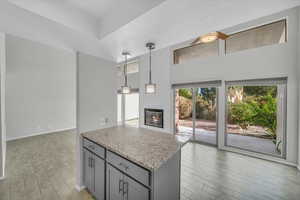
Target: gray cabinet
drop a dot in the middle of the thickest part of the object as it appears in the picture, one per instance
(87, 168)
(134, 190)
(114, 184)
(110, 176)
(121, 187)
(94, 174)
(99, 178)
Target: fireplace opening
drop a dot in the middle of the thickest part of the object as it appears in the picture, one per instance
(154, 117)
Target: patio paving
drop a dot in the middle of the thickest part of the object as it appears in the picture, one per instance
(240, 141)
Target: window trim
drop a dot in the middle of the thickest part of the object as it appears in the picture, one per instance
(120, 66)
(257, 27)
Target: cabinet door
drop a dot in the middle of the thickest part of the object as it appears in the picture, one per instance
(87, 170)
(99, 178)
(114, 184)
(134, 190)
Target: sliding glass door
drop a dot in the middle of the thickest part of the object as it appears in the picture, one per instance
(196, 111)
(256, 113)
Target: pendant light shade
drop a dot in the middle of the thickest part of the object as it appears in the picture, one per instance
(150, 87)
(125, 89)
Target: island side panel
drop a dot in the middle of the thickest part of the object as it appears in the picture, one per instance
(166, 179)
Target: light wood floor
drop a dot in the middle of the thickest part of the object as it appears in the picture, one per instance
(43, 167)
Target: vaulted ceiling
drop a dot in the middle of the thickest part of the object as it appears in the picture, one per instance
(107, 27)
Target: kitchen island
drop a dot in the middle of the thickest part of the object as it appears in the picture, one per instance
(124, 163)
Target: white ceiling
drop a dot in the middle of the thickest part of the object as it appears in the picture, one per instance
(96, 17)
(105, 28)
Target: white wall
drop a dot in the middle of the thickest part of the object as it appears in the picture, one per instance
(40, 88)
(2, 106)
(264, 62)
(97, 93)
(96, 99)
(161, 76)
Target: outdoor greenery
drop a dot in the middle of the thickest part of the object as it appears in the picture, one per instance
(256, 107)
(255, 111)
(187, 93)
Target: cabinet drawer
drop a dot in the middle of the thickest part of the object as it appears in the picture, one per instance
(140, 174)
(98, 150)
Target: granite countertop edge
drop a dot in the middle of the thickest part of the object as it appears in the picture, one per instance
(147, 166)
(131, 159)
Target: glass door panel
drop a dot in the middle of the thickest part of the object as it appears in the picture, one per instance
(205, 101)
(184, 111)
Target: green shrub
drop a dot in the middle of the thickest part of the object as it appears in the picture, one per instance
(258, 111)
(187, 93)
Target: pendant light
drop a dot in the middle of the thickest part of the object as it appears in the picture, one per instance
(150, 87)
(125, 89)
(210, 37)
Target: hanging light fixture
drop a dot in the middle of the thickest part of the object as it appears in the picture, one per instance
(150, 87)
(125, 89)
(210, 37)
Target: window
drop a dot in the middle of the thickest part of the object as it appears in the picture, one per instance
(256, 115)
(196, 51)
(274, 33)
(132, 67)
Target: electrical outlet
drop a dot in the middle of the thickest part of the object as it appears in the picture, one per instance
(103, 121)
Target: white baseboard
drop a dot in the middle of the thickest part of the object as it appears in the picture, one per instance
(40, 133)
(79, 188)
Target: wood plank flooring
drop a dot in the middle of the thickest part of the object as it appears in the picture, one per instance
(208, 173)
(43, 168)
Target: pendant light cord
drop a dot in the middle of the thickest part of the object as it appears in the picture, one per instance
(125, 71)
(150, 71)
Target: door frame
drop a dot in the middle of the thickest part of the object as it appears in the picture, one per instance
(283, 102)
(123, 105)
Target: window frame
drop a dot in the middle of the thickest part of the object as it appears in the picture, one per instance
(253, 27)
(120, 67)
(283, 110)
(189, 45)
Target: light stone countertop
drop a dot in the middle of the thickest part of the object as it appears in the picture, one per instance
(145, 147)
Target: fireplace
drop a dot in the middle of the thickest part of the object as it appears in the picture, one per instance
(154, 117)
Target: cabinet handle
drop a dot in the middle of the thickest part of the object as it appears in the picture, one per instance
(90, 162)
(125, 191)
(121, 186)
